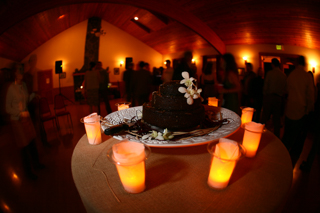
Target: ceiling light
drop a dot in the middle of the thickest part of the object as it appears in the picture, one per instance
(136, 18)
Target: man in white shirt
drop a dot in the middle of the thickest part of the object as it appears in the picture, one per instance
(300, 102)
(167, 73)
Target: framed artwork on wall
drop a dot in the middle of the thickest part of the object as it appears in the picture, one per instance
(116, 71)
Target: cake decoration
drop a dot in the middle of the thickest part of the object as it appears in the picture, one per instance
(191, 92)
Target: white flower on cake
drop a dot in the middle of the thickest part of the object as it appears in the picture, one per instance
(187, 81)
(191, 92)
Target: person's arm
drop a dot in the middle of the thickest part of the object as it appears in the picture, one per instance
(233, 78)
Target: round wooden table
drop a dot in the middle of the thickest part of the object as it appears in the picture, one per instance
(176, 180)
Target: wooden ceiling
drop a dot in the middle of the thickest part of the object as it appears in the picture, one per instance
(175, 25)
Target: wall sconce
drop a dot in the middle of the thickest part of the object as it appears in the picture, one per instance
(193, 61)
(98, 33)
(121, 63)
(245, 59)
(313, 65)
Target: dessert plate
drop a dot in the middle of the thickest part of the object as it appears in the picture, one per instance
(135, 113)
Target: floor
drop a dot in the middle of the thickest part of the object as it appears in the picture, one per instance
(54, 190)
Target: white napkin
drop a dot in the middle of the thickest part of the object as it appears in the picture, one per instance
(227, 149)
(128, 152)
(254, 127)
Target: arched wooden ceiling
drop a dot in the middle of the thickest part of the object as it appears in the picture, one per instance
(175, 25)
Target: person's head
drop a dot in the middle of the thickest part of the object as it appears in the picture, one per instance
(168, 63)
(229, 63)
(18, 73)
(275, 62)
(147, 66)
(92, 65)
(141, 64)
(301, 61)
(249, 67)
(208, 68)
(99, 65)
(188, 56)
(130, 66)
(311, 75)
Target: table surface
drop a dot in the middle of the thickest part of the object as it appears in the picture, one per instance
(176, 180)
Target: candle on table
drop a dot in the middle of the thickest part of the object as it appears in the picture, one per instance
(246, 115)
(225, 155)
(130, 158)
(251, 137)
(93, 129)
(213, 101)
(122, 106)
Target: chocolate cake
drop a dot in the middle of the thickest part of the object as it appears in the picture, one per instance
(169, 109)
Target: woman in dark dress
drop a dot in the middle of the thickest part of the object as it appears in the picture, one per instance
(231, 84)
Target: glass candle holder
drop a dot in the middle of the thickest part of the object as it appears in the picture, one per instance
(246, 115)
(213, 101)
(93, 128)
(251, 137)
(123, 105)
(222, 165)
(129, 158)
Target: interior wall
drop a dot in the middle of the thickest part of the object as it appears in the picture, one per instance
(68, 46)
(6, 63)
(116, 45)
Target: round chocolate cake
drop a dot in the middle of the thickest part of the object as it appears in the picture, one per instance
(169, 109)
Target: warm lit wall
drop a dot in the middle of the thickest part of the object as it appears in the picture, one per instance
(116, 45)
(68, 46)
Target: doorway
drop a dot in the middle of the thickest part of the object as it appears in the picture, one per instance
(287, 62)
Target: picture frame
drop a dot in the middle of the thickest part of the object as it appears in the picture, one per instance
(116, 71)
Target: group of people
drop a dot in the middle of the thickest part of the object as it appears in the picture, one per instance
(140, 83)
(275, 97)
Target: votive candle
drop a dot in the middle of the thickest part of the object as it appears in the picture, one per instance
(251, 138)
(247, 114)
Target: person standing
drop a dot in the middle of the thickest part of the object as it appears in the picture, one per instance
(256, 92)
(127, 78)
(141, 85)
(103, 87)
(208, 79)
(91, 86)
(185, 65)
(17, 100)
(300, 103)
(273, 92)
(231, 84)
(168, 72)
(247, 99)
